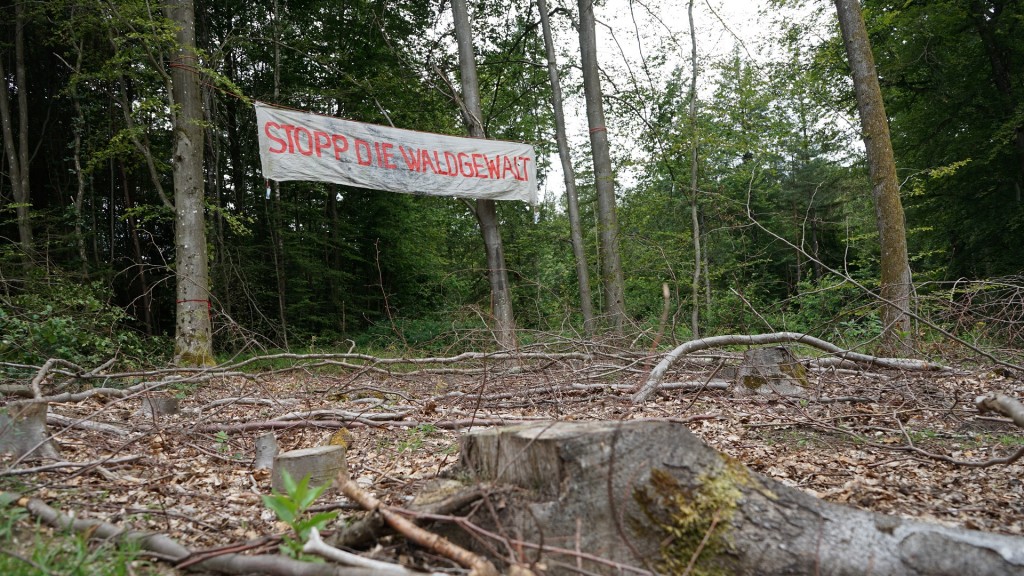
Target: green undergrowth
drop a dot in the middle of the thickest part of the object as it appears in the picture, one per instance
(30, 549)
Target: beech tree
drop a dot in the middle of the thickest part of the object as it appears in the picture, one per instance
(612, 278)
(568, 173)
(193, 343)
(485, 210)
(896, 284)
(17, 149)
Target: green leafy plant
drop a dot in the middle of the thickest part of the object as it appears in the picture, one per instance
(292, 508)
(58, 317)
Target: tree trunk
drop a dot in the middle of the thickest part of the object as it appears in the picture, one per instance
(18, 152)
(145, 293)
(608, 226)
(694, 215)
(274, 219)
(575, 228)
(193, 335)
(79, 203)
(650, 495)
(23, 431)
(486, 210)
(896, 279)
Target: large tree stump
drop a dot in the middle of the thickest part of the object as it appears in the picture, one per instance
(23, 431)
(772, 370)
(650, 494)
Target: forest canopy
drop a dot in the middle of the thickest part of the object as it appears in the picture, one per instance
(786, 231)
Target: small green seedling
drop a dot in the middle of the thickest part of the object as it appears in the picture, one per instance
(292, 509)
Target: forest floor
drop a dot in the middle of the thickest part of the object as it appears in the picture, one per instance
(871, 446)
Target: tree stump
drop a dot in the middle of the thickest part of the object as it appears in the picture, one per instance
(771, 371)
(23, 431)
(156, 406)
(266, 451)
(320, 463)
(598, 496)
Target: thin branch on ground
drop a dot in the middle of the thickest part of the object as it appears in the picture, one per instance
(651, 386)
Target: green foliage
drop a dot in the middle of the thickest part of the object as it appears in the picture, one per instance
(27, 549)
(55, 317)
(416, 437)
(424, 335)
(292, 508)
(835, 310)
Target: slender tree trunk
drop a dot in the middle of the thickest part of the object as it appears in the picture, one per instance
(77, 159)
(193, 332)
(694, 210)
(274, 212)
(486, 210)
(608, 226)
(133, 231)
(575, 227)
(896, 279)
(18, 152)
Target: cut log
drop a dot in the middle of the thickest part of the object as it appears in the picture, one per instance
(23, 431)
(320, 463)
(769, 371)
(601, 496)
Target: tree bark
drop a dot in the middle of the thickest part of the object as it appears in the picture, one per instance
(694, 215)
(145, 294)
(486, 210)
(569, 173)
(896, 280)
(649, 495)
(274, 219)
(608, 226)
(18, 152)
(193, 344)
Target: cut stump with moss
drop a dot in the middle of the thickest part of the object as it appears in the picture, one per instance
(597, 496)
(771, 370)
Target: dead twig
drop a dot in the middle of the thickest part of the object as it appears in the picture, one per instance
(478, 566)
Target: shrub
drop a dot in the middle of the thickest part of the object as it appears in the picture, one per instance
(55, 317)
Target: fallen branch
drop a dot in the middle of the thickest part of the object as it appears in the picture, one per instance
(1002, 404)
(61, 465)
(315, 545)
(966, 463)
(360, 423)
(478, 565)
(653, 381)
(83, 424)
(168, 549)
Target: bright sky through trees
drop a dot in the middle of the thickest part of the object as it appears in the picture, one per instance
(633, 35)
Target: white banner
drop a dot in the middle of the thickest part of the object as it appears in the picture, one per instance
(301, 146)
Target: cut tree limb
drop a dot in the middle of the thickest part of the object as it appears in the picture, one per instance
(168, 549)
(658, 373)
(1002, 404)
(478, 565)
(652, 494)
(316, 545)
